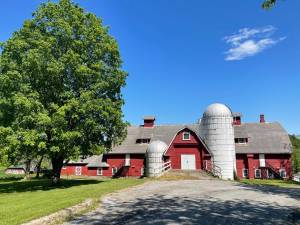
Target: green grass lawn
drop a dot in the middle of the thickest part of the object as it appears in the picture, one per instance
(275, 182)
(22, 201)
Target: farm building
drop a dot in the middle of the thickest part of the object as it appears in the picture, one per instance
(219, 143)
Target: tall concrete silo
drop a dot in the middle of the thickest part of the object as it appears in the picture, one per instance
(154, 158)
(216, 129)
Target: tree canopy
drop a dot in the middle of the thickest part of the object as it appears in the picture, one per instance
(60, 87)
(267, 4)
(296, 152)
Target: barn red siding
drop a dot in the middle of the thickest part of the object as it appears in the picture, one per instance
(241, 163)
(192, 146)
(277, 161)
(70, 169)
(118, 160)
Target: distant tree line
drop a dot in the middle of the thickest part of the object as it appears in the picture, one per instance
(296, 153)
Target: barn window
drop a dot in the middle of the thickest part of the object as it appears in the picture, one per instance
(99, 172)
(241, 140)
(282, 173)
(245, 173)
(78, 170)
(64, 167)
(143, 140)
(114, 170)
(186, 136)
(257, 173)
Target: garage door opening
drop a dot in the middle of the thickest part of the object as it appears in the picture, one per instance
(188, 162)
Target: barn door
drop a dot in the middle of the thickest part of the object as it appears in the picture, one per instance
(188, 162)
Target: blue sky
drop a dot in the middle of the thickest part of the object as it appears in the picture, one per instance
(184, 55)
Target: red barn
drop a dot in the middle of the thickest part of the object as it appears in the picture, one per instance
(263, 150)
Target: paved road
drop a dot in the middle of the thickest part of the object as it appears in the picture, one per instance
(197, 202)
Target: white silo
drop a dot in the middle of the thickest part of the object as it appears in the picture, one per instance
(154, 158)
(216, 129)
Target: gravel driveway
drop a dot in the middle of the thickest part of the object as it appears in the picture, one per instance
(197, 202)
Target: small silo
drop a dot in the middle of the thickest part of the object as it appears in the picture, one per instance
(154, 158)
(216, 129)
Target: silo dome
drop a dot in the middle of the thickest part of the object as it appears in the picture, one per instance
(217, 110)
(216, 130)
(157, 147)
(154, 158)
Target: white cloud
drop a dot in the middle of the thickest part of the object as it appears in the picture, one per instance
(248, 42)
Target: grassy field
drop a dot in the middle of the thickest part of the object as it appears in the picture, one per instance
(275, 182)
(22, 201)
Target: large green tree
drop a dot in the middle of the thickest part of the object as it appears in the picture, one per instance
(60, 86)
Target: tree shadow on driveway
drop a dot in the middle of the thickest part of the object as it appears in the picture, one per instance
(159, 209)
(269, 189)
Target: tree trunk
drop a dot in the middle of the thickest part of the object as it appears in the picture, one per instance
(27, 169)
(57, 164)
(38, 167)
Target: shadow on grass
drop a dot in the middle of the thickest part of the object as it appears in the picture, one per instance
(160, 209)
(10, 178)
(42, 185)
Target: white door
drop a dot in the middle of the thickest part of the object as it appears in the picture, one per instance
(78, 170)
(188, 162)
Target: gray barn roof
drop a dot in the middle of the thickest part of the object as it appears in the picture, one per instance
(92, 161)
(163, 133)
(263, 138)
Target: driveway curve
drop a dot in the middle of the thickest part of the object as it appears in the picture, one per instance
(197, 202)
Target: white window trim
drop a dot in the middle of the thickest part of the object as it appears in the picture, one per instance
(244, 169)
(142, 171)
(64, 167)
(284, 172)
(259, 173)
(99, 171)
(186, 139)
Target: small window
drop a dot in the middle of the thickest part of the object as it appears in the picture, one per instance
(99, 172)
(143, 140)
(186, 136)
(114, 170)
(64, 167)
(257, 173)
(78, 170)
(245, 173)
(282, 173)
(241, 140)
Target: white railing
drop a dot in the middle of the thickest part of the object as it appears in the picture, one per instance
(166, 166)
(162, 169)
(212, 168)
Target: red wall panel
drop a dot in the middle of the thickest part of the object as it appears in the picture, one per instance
(192, 146)
(278, 161)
